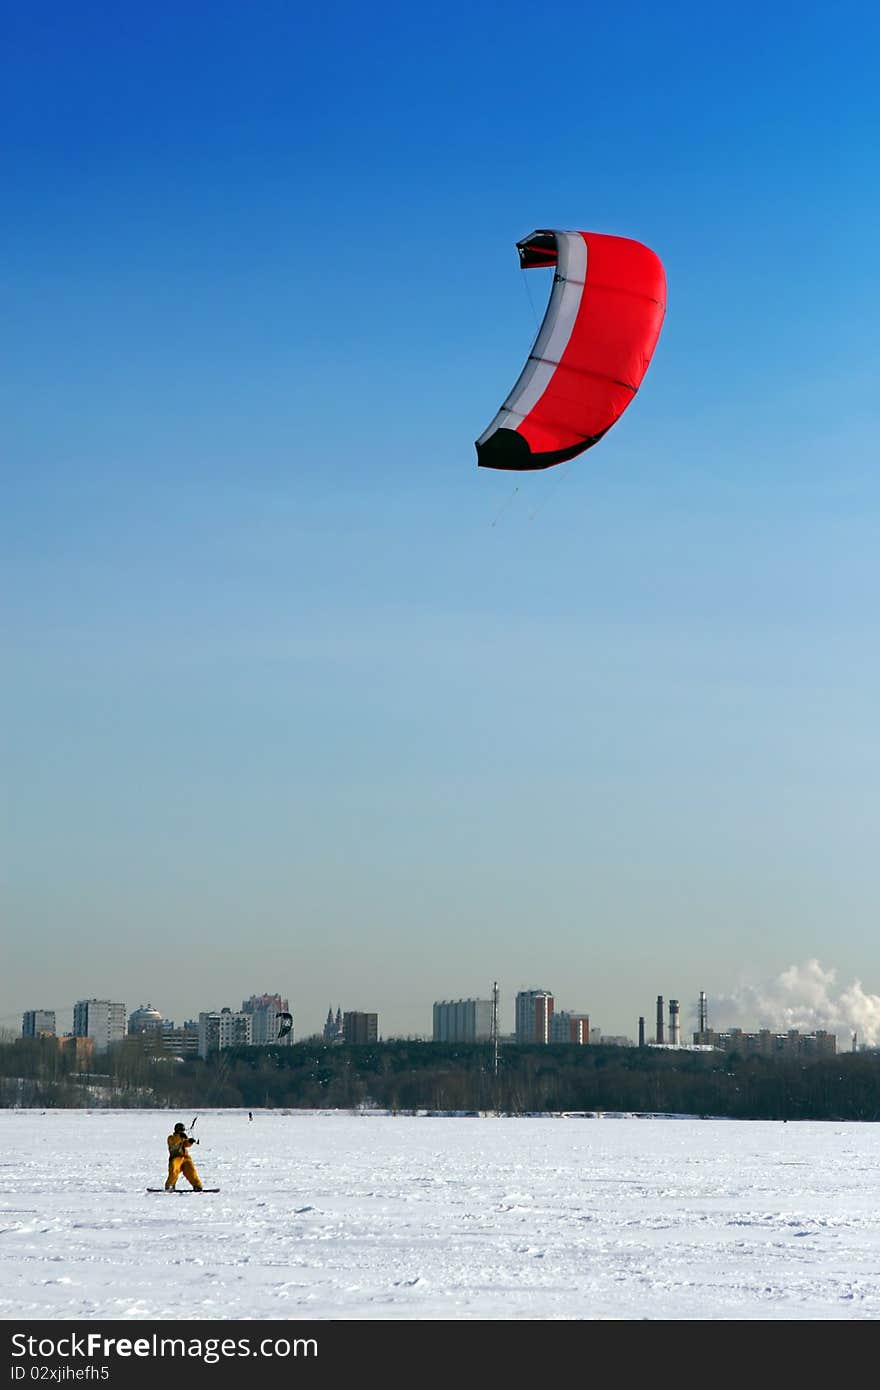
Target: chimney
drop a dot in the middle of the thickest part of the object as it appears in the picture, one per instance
(659, 1037)
(674, 1026)
(641, 1032)
(704, 1013)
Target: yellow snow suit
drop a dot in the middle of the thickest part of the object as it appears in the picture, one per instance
(179, 1162)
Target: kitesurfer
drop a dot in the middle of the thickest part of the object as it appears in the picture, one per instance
(179, 1161)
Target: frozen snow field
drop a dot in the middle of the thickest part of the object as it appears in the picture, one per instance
(336, 1215)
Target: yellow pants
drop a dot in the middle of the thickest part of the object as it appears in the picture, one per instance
(183, 1165)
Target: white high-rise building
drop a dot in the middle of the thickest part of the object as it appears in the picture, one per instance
(266, 1011)
(100, 1019)
(462, 1020)
(40, 1023)
(218, 1031)
(534, 1010)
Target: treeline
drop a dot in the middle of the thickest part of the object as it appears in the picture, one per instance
(409, 1075)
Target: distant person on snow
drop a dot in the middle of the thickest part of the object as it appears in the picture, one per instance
(179, 1161)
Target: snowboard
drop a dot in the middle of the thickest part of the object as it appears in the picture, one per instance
(183, 1191)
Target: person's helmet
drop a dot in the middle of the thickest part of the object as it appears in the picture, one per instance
(180, 1129)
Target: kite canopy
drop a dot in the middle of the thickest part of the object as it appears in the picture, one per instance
(592, 350)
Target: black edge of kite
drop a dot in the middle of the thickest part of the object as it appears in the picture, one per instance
(506, 449)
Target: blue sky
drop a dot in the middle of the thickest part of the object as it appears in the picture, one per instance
(298, 698)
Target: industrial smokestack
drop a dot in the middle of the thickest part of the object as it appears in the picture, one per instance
(704, 1013)
(674, 1026)
(659, 1018)
(641, 1032)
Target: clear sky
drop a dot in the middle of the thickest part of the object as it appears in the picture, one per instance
(295, 697)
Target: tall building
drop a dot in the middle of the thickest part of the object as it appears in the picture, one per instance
(264, 1010)
(570, 1028)
(463, 1020)
(99, 1019)
(217, 1031)
(264, 1001)
(38, 1023)
(360, 1028)
(534, 1010)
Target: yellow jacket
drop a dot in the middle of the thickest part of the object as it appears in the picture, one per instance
(178, 1145)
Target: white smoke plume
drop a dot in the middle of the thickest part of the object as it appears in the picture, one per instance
(802, 997)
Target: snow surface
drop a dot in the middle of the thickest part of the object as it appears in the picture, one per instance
(342, 1215)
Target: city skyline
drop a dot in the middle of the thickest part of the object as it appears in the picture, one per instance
(292, 688)
(473, 1021)
(804, 998)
